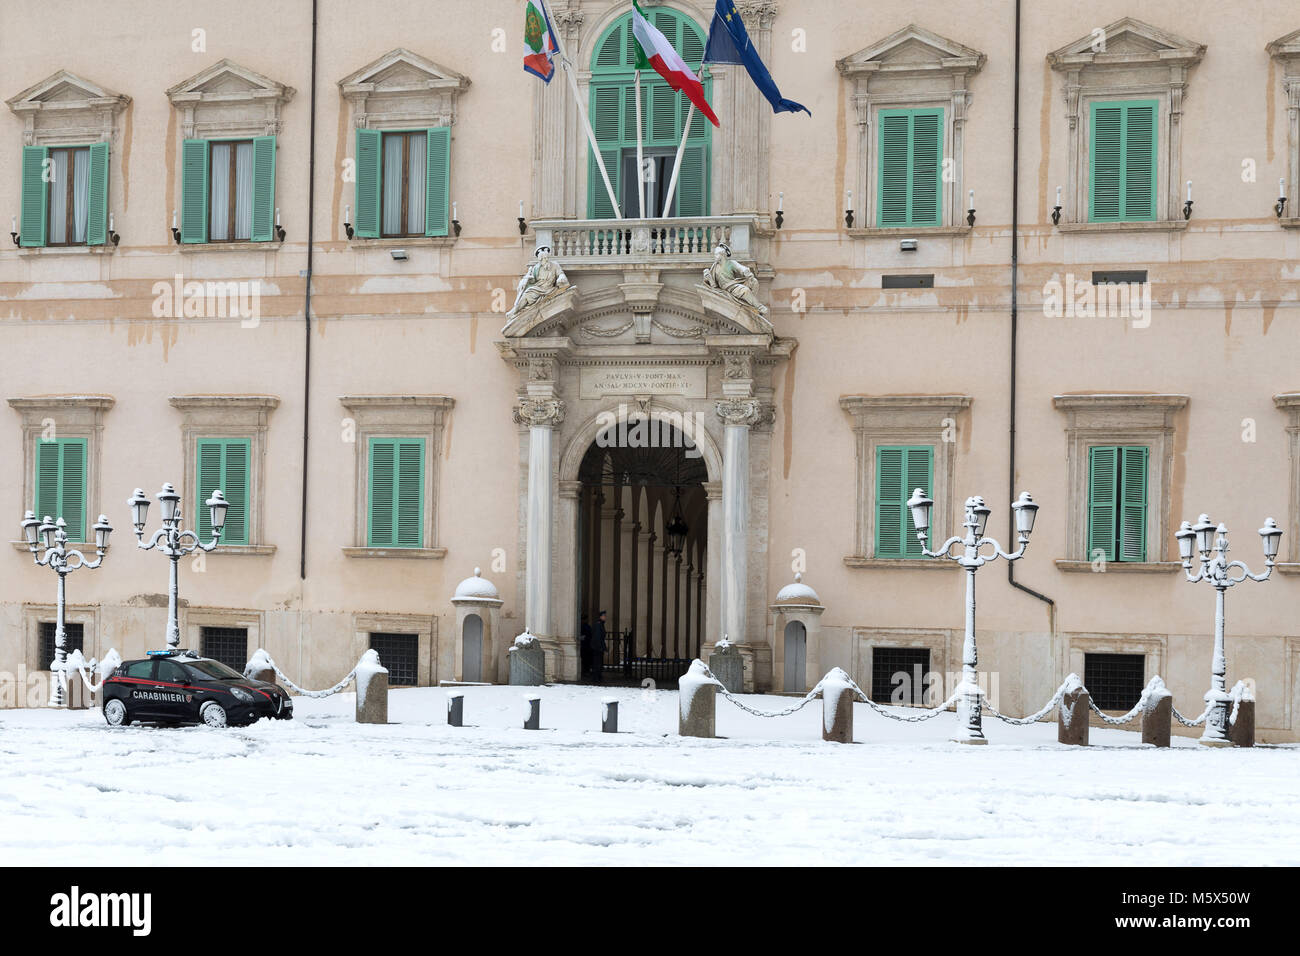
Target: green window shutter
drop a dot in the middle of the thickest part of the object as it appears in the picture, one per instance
(607, 124)
(224, 463)
(366, 221)
(1103, 491)
(889, 499)
(918, 462)
(263, 191)
(1133, 503)
(1140, 162)
(911, 164)
(609, 54)
(97, 196)
(437, 181)
(895, 167)
(692, 182)
(61, 483)
(1122, 161)
(409, 515)
(663, 127)
(381, 492)
(927, 161)
(35, 200)
(194, 190)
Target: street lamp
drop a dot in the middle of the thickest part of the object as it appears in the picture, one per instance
(52, 537)
(170, 539)
(1217, 570)
(969, 729)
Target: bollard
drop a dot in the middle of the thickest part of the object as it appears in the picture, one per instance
(837, 707)
(372, 689)
(259, 667)
(697, 702)
(608, 715)
(1072, 717)
(76, 694)
(1157, 713)
(1241, 729)
(456, 709)
(527, 661)
(534, 719)
(728, 666)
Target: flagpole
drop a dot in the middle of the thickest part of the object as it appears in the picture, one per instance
(641, 184)
(582, 111)
(681, 148)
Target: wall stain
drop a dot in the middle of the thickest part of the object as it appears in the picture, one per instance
(169, 162)
(787, 415)
(1045, 143)
(473, 332)
(340, 152)
(450, 421)
(1270, 108)
(841, 144)
(128, 126)
(1267, 312)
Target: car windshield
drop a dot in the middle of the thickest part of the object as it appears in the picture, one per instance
(207, 670)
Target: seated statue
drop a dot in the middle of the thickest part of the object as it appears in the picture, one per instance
(729, 276)
(543, 279)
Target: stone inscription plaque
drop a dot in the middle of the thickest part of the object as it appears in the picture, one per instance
(687, 381)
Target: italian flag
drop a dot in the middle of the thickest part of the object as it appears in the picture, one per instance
(654, 48)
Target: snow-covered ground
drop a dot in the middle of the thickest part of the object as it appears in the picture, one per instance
(322, 789)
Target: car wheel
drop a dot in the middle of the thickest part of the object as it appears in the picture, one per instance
(115, 713)
(213, 714)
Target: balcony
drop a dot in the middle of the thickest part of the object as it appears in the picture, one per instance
(592, 244)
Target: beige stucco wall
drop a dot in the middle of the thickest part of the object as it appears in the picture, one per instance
(77, 322)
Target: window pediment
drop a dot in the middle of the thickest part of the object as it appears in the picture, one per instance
(1127, 43)
(403, 87)
(66, 108)
(227, 99)
(911, 52)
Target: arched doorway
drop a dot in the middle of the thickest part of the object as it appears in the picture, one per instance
(472, 648)
(642, 551)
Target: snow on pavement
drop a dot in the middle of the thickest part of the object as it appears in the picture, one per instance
(321, 789)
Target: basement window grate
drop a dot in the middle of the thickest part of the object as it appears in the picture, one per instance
(1114, 680)
(74, 635)
(226, 644)
(400, 653)
(898, 674)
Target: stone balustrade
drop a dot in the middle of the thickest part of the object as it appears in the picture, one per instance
(579, 243)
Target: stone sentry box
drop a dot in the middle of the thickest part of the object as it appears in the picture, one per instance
(796, 637)
(478, 610)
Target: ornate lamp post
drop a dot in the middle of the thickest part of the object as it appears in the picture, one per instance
(1217, 570)
(170, 539)
(53, 537)
(969, 729)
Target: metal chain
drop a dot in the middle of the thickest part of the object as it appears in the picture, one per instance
(311, 693)
(1191, 723)
(811, 695)
(1115, 721)
(925, 714)
(1032, 718)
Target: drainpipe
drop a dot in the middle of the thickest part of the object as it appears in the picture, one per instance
(1015, 270)
(306, 312)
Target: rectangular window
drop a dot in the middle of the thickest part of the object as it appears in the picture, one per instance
(911, 160)
(898, 674)
(223, 463)
(228, 190)
(61, 483)
(403, 183)
(1114, 680)
(1122, 154)
(900, 469)
(65, 195)
(74, 637)
(226, 644)
(396, 493)
(1117, 502)
(400, 653)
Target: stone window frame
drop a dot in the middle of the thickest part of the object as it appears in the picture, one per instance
(397, 416)
(424, 626)
(904, 420)
(81, 120)
(932, 82)
(1153, 647)
(34, 615)
(1121, 419)
(935, 640)
(1090, 76)
(1289, 404)
(72, 416)
(194, 619)
(433, 102)
(229, 416)
(1286, 51)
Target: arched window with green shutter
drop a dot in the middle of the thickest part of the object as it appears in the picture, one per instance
(663, 111)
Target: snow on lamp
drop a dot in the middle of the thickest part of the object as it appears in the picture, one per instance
(1026, 510)
(1271, 535)
(139, 504)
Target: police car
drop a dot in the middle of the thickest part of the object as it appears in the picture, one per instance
(179, 687)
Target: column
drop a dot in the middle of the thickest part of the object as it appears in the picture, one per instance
(663, 601)
(541, 416)
(686, 587)
(677, 606)
(649, 592)
(699, 610)
(737, 415)
(617, 542)
(636, 579)
(598, 519)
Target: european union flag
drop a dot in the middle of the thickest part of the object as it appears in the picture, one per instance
(729, 43)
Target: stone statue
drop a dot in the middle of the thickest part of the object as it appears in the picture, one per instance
(543, 280)
(729, 276)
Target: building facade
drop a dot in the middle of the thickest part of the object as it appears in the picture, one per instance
(282, 256)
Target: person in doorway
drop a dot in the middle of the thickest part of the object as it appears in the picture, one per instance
(584, 644)
(598, 648)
